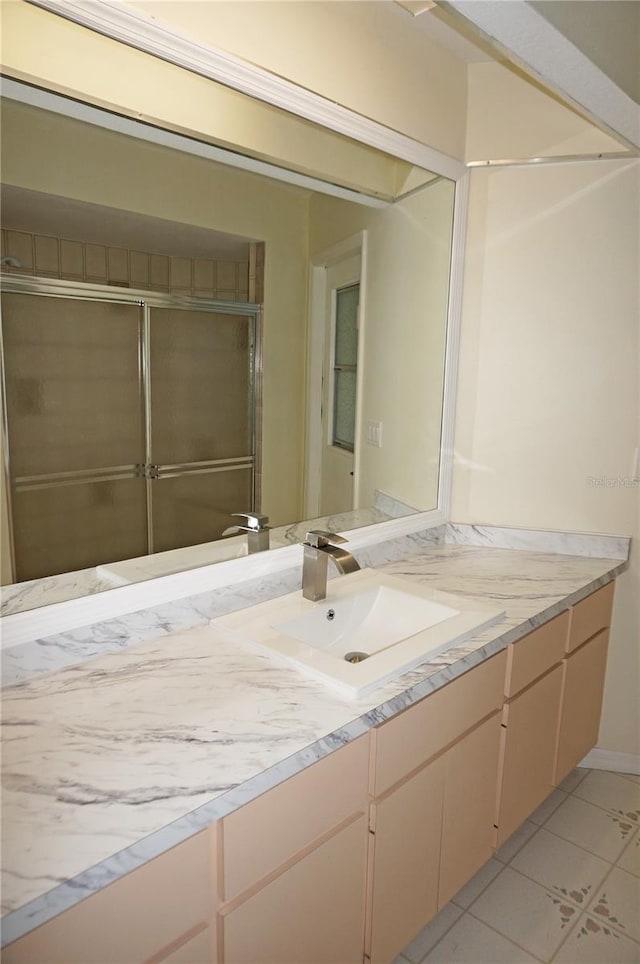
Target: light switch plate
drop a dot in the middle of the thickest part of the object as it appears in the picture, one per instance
(374, 434)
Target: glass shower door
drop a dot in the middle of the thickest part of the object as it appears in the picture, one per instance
(201, 430)
(75, 432)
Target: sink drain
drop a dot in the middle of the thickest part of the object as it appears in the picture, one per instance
(356, 657)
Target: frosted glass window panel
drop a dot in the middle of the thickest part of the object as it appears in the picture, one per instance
(72, 382)
(344, 409)
(201, 386)
(345, 366)
(191, 509)
(64, 528)
(346, 345)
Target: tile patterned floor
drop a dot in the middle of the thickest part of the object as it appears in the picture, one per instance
(564, 888)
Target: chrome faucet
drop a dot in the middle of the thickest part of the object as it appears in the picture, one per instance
(318, 549)
(256, 528)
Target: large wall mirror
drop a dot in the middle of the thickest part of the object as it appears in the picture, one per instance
(184, 338)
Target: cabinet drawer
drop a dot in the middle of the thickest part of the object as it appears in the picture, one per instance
(413, 737)
(590, 616)
(536, 653)
(313, 913)
(263, 834)
(130, 920)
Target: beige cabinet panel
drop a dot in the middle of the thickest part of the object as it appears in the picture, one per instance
(469, 808)
(405, 862)
(313, 913)
(262, 835)
(583, 685)
(536, 653)
(132, 919)
(591, 616)
(410, 739)
(197, 950)
(528, 751)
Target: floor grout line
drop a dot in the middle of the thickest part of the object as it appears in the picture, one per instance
(558, 893)
(618, 932)
(629, 777)
(586, 773)
(480, 892)
(599, 918)
(585, 849)
(451, 926)
(573, 927)
(619, 814)
(506, 863)
(504, 937)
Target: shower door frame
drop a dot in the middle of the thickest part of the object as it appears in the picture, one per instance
(149, 471)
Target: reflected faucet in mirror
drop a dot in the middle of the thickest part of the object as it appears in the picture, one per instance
(256, 528)
(318, 549)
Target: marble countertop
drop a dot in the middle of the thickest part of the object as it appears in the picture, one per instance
(111, 761)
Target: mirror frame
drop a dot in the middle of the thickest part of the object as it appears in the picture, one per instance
(127, 26)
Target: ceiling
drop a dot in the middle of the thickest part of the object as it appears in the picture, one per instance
(39, 213)
(606, 31)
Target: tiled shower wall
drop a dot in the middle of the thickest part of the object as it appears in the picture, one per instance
(49, 257)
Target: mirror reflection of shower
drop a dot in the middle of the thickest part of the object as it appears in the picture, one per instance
(93, 477)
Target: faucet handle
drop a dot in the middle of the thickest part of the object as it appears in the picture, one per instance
(254, 520)
(318, 538)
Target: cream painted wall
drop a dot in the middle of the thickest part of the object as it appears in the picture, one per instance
(548, 394)
(509, 116)
(363, 54)
(408, 254)
(45, 152)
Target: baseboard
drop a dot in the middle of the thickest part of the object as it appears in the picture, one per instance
(610, 760)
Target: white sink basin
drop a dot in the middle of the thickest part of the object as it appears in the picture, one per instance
(369, 621)
(371, 628)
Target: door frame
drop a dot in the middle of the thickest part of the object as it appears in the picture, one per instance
(353, 246)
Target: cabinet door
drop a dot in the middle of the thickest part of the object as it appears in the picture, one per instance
(406, 852)
(528, 751)
(469, 808)
(142, 916)
(582, 689)
(312, 913)
(197, 950)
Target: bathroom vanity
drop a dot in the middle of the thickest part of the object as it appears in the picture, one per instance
(209, 804)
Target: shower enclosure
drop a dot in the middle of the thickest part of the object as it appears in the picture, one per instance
(129, 421)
